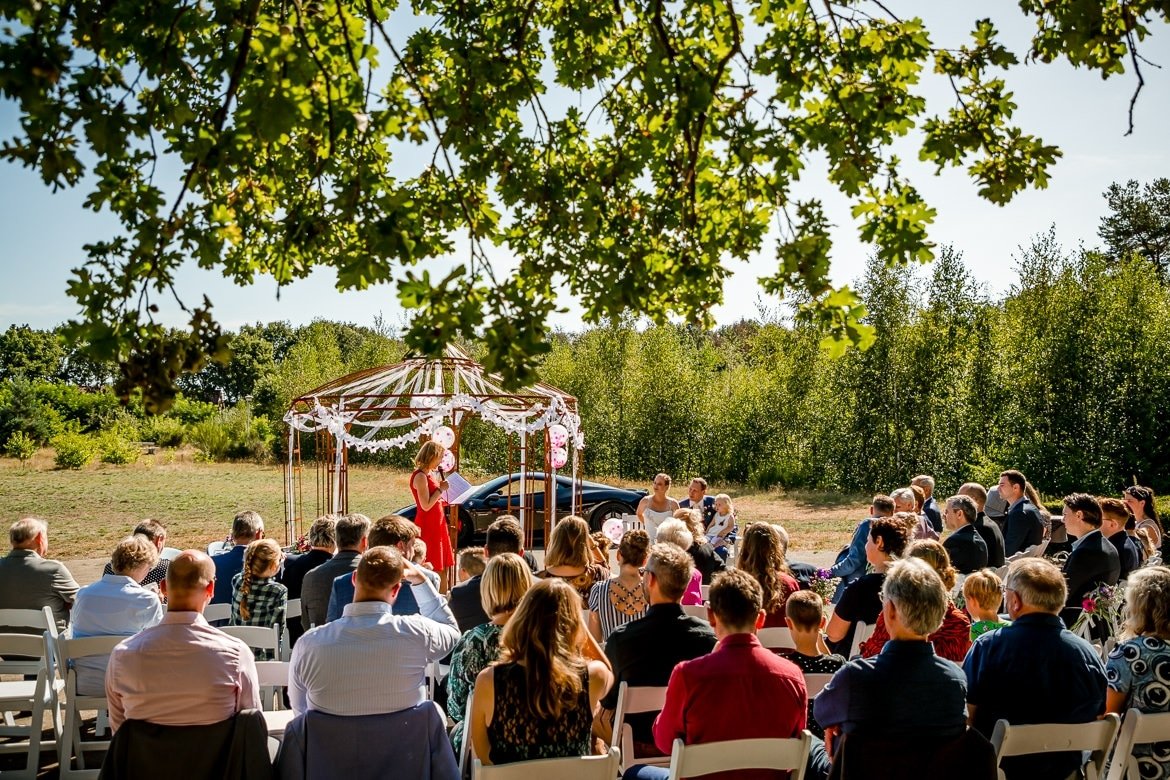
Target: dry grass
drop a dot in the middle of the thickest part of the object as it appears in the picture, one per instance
(90, 509)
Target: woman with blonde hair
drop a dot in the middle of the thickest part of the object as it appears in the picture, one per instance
(429, 507)
(538, 700)
(761, 555)
(952, 640)
(702, 552)
(1137, 672)
(569, 556)
(503, 584)
(257, 598)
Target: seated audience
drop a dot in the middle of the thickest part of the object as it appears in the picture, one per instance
(675, 532)
(907, 689)
(1024, 523)
(182, 672)
(470, 562)
(247, 527)
(987, 528)
(1114, 516)
(644, 652)
(851, 561)
(28, 580)
(738, 691)
(707, 561)
(964, 545)
(930, 508)
(983, 592)
(322, 538)
(1035, 670)
(762, 556)
(570, 557)
(721, 530)
(504, 535)
(1093, 561)
(390, 531)
(910, 500)
(618, 600)
(418, 554)
(1138, 669)
(504, 582)
(861, 603)
(257, 598)
(805, 616)
(527, 555)
(156, 532)
(352, 532)
(953, 638)
(115, 605)
(538, 699)
(371, 661)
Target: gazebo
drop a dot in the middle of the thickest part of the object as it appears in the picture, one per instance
(404, 404)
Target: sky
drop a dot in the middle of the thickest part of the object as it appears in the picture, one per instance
(43, 232)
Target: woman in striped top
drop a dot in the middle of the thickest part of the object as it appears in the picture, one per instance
(617, 601)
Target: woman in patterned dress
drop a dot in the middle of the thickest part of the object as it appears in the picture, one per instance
(505, 581)
(617, 601)
(1138, 670)
(539, 699)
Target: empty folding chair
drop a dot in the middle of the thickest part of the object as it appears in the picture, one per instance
(583, 768)
(633, 701)
(1095, 737)
(1137, 728)
(34, 696)
(739, 754)
(256, 637)
(70, 745)
(272, 676)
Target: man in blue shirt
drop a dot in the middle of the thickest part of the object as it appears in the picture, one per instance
(1035, 670)
(390, 531)
(850, 563)
(247, 527)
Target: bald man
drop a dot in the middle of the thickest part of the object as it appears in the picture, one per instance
(182, 672)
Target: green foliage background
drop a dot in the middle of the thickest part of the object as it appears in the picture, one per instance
(1065, 378)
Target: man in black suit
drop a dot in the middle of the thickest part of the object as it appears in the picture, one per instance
(987, 528)
(1025, 524)
(322, 539)
(966, 547)
(353, 537)
(1114, 516)
(503, 536)
(1093, 561)
(930, 506)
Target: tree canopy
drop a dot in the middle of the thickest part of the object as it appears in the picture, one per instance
(681, 147)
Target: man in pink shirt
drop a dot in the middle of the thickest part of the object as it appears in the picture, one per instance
(182, 672)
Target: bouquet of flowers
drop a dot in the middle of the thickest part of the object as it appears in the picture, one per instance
(1103, 609)
(302, 544)
(824, 585)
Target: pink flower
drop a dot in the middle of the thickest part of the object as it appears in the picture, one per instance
(1089, 605)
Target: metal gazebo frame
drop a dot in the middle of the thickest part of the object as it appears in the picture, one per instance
(410, 400)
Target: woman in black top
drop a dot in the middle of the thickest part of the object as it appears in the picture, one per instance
(861, 601)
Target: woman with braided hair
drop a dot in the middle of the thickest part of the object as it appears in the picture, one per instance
(257, 598)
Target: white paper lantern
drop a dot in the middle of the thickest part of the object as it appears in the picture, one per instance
(444, 436)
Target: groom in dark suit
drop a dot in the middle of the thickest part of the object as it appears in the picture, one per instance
(1093, 561)
(1025, 525)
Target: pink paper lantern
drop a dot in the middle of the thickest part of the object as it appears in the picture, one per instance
(444, 436)
(558, 435)
(448, 461)
(560, 456)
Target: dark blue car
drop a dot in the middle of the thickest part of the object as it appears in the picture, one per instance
(490, 500)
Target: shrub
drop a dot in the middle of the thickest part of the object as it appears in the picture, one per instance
(74, 450)
(117, 450)
(20, 446)
(189, 411)
(163, 431)
(212, 439)
(22, 410)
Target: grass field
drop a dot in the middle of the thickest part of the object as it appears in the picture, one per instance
(90, 509)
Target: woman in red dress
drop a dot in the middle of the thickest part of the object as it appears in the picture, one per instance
(429, 507)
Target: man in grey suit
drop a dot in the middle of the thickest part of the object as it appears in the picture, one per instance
(353, 536)
(30, 581)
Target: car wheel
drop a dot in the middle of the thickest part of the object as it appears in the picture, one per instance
(605, 511)
(466, 536)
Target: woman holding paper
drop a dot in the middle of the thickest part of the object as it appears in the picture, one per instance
(429, 506)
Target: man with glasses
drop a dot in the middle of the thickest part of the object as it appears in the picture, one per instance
(645, 651)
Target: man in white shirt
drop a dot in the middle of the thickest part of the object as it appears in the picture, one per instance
(115, 605)
(371, 661)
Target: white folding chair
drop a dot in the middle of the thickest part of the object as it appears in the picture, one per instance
(696, 610)
(466, 751)
(256, 637)
(38, 619)
(739, 754)
(34, 696)
(70, 745)
(1137, 728)
(1095, 737)
(815, 683)
(861, 632)
(291, 610)
(776, 638)
(583, 768)
(215, 548)
(169, 553)
(214, 612)
(630, 522)
(706, 591)
(632, 701)
(272, 676)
